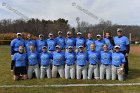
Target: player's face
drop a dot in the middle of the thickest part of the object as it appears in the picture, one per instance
(29, 36)
(51, 36)
(70, 49)
(79, 35)
(60, 34)
(117, 49)
(41, 37)
(99, 37)
(119, 33)
(58, 49)
(32, 48)
(92, 47)
(19, 36)
(81, 49)
(89, 35)
(107, 35)
(21, 49)
(68, 34)
(105, 48)
(44, 49)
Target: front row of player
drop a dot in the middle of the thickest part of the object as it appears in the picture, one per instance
(69, 64)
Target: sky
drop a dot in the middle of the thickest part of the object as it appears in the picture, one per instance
(124, 12)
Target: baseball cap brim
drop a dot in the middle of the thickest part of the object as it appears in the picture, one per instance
(117, 46)
(80, 47)
(98, 35)
(19, 33)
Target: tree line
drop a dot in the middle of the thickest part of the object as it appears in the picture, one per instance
(37, 26)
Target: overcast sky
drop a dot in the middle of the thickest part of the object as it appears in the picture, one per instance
(118, 11)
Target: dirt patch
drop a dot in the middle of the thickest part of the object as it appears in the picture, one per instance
(135, 50)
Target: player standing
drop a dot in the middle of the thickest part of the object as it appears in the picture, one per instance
(70, 63)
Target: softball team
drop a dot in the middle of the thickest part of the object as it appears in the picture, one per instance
(70, 58)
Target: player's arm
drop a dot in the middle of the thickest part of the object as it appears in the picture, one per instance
(12, 47)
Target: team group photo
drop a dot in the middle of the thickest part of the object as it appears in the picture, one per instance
(71, 58)
(69, 46)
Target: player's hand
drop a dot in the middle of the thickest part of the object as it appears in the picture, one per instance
(120, 71)
(126, 55)
(11, 55)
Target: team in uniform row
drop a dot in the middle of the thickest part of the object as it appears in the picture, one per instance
(104, 58)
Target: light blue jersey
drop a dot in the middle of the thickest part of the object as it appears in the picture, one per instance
(15, 43)
(40, 44)
(58, 58)
(105, 57)
(33, 58)
(61, 42)
(28, 43)
(99, 45)
(45, 58)
(20, 59)
(81, 58)
(93, 57)
(118, 59)
(122, 42)
(88, 43)
(70, 58)
(51, 44)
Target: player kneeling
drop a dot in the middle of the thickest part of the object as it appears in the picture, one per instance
(105, 60)
(45, 58)
(118, 61)
(70, 61)
(19, 61)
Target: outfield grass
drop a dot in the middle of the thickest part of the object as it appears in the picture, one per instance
(6, 78)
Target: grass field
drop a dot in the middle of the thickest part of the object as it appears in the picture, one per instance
(6, 78)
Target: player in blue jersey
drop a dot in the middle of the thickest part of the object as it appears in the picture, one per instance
(33, 64)
(51, 43)
(20, 62)
(29, 42)
(40, 43)
(81, 63)
(60, 40)
(89, 41)
(105, 59)
(80, 41)
(58, 62)
(45, 59)
(109, 41)
(93, 59)
(70, 63)
(124, 44)
(118, 62)
(15, 43)
(99, 43)
(69, 41)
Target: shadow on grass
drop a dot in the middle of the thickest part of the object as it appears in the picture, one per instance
(134, 74)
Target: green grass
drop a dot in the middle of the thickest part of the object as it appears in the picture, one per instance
(6, 79)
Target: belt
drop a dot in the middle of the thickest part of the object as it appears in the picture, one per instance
(70, 64)
(92, 64)
(117, 65)
(44, 65)
(81, 65)
(51, 50)
(32, 64)
(57, 65)
(106, 64)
